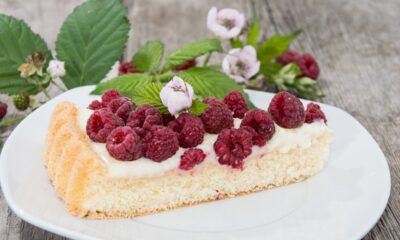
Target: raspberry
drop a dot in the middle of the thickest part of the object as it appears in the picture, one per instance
(143, 118)
(233, 146)
(288, 57)
(95, 105)
(108, 96)
(167, 118)
(124, 144)
(189, 128)
(21, 101)
(261, 121)
(121, 107)
(3, 110)
(101, 123)
(191, 157)
(127, 67)
(308, 66)
(314, 113)
(286, 110)
(236, 103)
(160, 143)
(217, 116)
(256, 138)
(185, 65)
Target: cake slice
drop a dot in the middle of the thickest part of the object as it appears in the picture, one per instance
(105, 179)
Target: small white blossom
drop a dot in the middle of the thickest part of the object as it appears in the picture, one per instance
(241, 64)
(226, 23)
(177, 95)
(56, 69)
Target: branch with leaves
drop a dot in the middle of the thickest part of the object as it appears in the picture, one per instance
(93, 38)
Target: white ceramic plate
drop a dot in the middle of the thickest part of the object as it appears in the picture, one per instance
(344, 201)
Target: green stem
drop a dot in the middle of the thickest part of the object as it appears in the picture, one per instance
(165, 77)
(207, 59)
(45, 92)
(58, 86)
(11, 121)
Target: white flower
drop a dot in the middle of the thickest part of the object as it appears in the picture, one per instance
(226, 23)
(241, 64)
(56, 69)
(177, 95)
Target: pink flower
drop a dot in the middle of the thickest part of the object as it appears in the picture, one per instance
(241, 64)
(177, 95)
(226, 23)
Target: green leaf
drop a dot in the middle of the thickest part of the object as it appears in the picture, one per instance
(148, 94)
(210, 82)
(287, 74)
(124, 83)
(17, 41)
(254, 33)
(148, 58)
(197, 107)
(191, 51)
(91, 40)
(275, 46)
(270, 69)
(236, 43)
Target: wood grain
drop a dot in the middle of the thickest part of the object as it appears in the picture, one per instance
(355, 42)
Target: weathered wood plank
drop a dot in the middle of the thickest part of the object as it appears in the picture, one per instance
(355, 42)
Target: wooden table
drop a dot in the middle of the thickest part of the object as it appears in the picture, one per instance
(355, 42)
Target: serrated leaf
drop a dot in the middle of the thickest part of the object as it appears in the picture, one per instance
(191, 51)
(275, 46)
(254, 33)
(197, 107)
(17, 41)
(210, 82)
(148, 94)
(148, 58)
(236, 43)
(124, 83)
(91, 40)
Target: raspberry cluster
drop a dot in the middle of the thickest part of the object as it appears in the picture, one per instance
(131, 133)
(307, 64)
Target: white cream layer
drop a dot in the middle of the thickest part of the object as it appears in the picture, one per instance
(283, 141)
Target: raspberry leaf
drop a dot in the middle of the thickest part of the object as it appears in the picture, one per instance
(197, 107)
(17, 42)
(275, 46)
(191, 51)
(148, 94)
(254, 33)
(148, 58)
(124, 83)
(210, 82)
(91, 40)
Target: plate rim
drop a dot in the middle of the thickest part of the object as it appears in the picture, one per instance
(37, 221)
